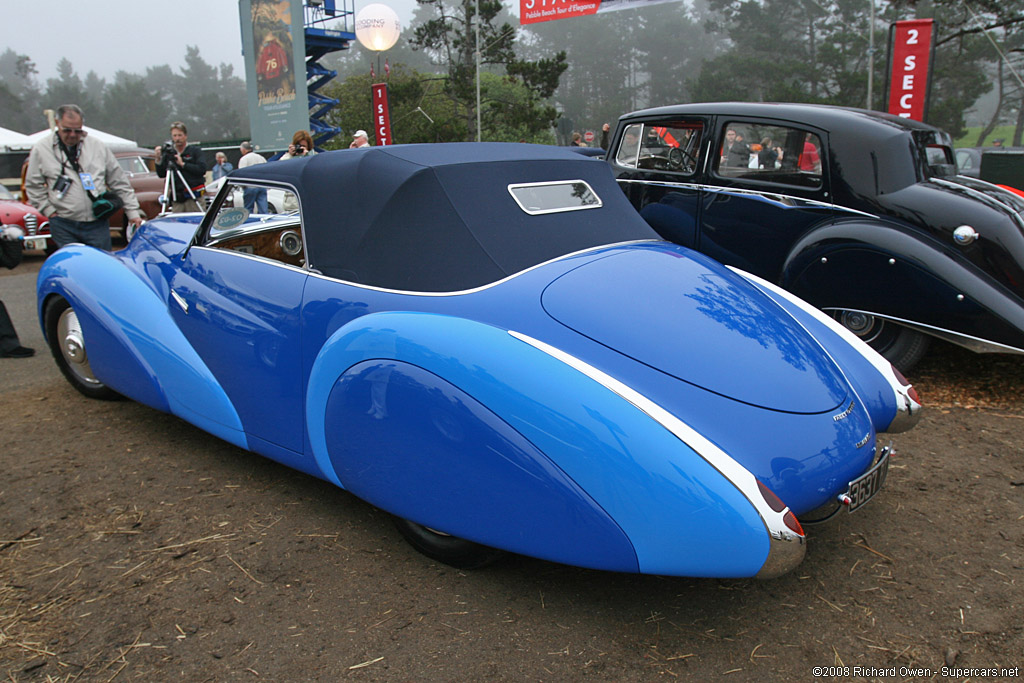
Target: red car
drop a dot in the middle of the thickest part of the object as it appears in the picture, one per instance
(35, 224)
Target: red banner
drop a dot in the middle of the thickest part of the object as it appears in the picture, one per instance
(381, 117)
(911, 52)
(535, 11)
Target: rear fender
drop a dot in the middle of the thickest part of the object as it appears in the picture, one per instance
(590, 449)
(132, 340)
(891, 404)
(885, 271)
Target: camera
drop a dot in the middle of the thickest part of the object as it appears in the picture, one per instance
(168, 151)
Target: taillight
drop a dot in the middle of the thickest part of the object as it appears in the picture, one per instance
(776, 504)
(911, 391)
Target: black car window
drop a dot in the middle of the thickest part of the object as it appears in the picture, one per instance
(629, 146)
(671, 146)
(770, 153)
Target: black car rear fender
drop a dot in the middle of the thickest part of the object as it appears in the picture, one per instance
(882, 270)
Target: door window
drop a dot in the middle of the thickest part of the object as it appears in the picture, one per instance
(233, 226)
(669, 146)
(770, 153)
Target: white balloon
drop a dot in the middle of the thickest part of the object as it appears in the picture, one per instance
(377, 27)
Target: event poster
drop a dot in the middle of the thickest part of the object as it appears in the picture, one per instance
(273, 43)
(536, 11)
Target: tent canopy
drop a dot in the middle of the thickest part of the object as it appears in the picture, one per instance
(108, 139)
(13, 139)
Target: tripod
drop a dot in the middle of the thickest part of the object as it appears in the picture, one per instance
(165, 198)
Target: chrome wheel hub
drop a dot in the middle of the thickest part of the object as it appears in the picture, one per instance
(865, 326)
(72, 346)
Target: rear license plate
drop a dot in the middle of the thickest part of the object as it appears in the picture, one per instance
(863, 488)
(35, 243)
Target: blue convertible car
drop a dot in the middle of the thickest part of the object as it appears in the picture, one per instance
(489, 343)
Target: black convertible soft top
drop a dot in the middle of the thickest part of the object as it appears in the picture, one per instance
(440, 217)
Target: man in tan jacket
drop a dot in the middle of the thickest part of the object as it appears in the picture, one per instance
(64, 169)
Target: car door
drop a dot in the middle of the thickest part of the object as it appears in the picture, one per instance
(237, 297)
(767, 184)
(658, 164)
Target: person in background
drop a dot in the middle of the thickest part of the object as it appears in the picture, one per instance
(810, 159)
(222, 167)
(359, 139)
(577, 140)
(10, 256)
(254, 198)
(606, 130)
(67, 172)
(302, 145)
(185, 163)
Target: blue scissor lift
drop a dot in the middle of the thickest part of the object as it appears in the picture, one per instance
(321, 41)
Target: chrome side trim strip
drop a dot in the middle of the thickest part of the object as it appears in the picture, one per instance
(975, 344)
(775, 197)
(787, 548)
(254, 257)
(481, 288)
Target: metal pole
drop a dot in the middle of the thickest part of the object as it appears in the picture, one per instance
(871, 57)
(477, 3)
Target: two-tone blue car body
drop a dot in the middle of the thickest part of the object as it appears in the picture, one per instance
(488, 342)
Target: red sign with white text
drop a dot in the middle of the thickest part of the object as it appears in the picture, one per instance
(381, 117)
(536, 11)
(911, 52)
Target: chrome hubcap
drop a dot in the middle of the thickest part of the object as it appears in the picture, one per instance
(72, 346)
(865, 326)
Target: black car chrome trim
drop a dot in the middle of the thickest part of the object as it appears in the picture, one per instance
(976, 344)
(481, 288)
(786, 547)
(975, 193)
(776, 197)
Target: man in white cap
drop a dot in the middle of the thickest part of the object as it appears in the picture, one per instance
(359, 140)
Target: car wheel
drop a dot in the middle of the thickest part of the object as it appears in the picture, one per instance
(900, 345)
(451, 550)
(64, 335)
(271, 208)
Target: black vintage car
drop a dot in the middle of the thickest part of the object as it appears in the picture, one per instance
(858, 212)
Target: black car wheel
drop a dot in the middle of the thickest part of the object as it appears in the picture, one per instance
(453, 551)
(901, 346)
(67, 343)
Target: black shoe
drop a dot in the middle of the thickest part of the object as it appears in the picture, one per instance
(18, 352)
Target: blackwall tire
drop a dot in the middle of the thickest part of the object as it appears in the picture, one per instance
(68, 346)
(900, 345)
(450, 550)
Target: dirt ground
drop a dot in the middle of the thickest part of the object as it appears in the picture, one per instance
(134, 547)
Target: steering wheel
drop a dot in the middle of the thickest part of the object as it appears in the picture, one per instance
(677, 158)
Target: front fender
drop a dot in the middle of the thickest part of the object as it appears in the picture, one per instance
(603, 454)
(133, 344)
(886, 271)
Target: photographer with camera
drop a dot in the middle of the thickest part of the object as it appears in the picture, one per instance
(184, 165)
(302, 146)
(76, 182)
